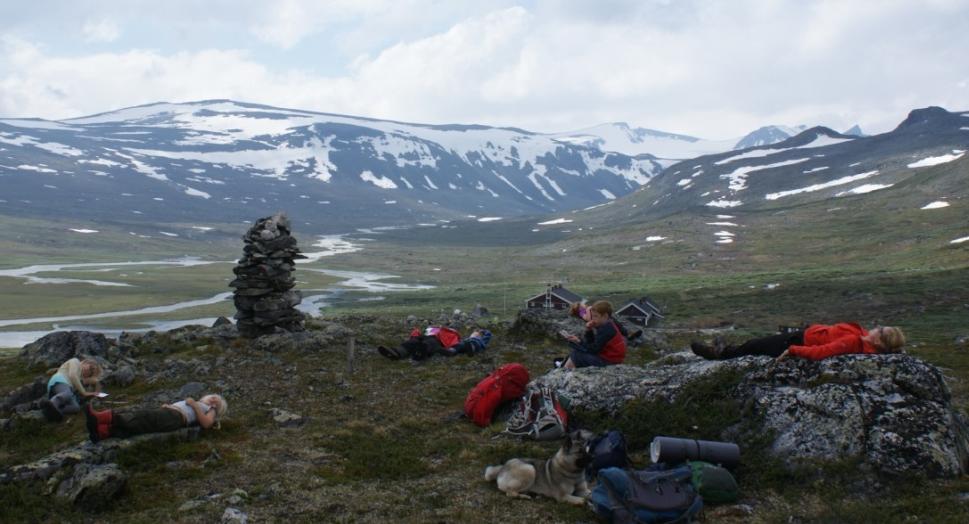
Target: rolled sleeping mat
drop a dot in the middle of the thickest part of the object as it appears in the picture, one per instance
(674, 450)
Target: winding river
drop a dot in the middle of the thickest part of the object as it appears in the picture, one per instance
(332, 245)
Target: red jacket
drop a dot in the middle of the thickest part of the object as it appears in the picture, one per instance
(821, 341)
(615, 350)
(445, 335)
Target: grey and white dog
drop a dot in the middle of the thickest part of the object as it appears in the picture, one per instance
(560, 477)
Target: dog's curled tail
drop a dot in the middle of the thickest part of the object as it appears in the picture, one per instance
(491, 472)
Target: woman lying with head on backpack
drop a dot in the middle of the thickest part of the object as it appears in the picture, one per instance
(817, 342)
(604, 346)
(207, 412)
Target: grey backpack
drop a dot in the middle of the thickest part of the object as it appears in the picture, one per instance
(539, 415)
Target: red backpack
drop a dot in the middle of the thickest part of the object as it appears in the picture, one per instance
(505, 383)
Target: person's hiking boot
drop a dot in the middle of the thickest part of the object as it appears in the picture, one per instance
(50, 411)
(558, 362)
(702, 350)
(388, 352)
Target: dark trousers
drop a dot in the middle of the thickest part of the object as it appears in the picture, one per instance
(159, 420)
(63, 398)
(771, 346)
(581, 359)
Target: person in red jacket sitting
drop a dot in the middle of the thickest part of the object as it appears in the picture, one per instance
(818, 341)
(606, 348)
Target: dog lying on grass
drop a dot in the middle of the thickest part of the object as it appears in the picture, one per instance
(560, 477)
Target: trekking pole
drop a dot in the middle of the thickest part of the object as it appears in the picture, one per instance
(350, 348)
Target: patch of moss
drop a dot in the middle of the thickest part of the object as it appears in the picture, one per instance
(32, 439)
(369, 454)
(27, 502)
(702, 409)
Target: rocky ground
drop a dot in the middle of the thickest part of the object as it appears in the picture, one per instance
(315, 434)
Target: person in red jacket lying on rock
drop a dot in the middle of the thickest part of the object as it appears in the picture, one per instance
(818, 341)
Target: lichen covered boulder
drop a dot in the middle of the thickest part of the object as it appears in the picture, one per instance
(893, 413)
(54, 349)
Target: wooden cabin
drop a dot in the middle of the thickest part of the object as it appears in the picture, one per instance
(554, 297)
(640, 312)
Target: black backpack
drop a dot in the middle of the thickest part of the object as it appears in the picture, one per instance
(608, 451)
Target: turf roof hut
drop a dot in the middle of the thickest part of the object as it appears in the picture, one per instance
(554, 297)
(640, 311)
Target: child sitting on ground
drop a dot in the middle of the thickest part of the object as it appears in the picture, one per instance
(66, 389)
(607, 347)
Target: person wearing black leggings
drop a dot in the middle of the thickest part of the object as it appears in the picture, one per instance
(818, 341)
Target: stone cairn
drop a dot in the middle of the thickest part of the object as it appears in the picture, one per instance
(264, 296)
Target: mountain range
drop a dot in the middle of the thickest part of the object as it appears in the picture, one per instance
(221, 161)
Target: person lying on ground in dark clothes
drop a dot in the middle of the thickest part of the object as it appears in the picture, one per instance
(205, 413)
(817, 342)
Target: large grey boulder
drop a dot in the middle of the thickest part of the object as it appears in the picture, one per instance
(892, 412)
(92, 487)
(53, 349)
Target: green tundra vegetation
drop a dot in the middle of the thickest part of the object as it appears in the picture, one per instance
(383, 443)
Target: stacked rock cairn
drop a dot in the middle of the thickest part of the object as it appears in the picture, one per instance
(264, 296)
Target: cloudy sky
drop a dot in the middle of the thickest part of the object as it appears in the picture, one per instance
(709, 68)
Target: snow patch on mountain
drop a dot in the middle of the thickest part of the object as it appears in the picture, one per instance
(817, 187)
(379, 181)
(196, 193)
(866, 188)
(936, 160)
(938, 204)
(555, 221)
(737, 179)
(724, 203)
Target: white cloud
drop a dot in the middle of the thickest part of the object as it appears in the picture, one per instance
(100, 31)
(691, 66)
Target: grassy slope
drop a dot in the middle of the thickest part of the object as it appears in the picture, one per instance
(379, 443)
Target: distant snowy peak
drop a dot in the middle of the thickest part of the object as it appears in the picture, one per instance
(855, 130)
(242, 153)
(620, 137)
(768, 135)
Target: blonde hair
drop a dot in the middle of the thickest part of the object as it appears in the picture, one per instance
(98, 370)
(220, 411)
(892, 339)
(602, 307)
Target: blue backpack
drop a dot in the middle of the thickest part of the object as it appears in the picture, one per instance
(647, 496)
(608, 451)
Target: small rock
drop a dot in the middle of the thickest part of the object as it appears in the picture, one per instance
(122, 377)
(221, 321)
(286, 419)
(234, 516)
(192, 389)
(93, 487)
(716, 513)
(191, 505)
